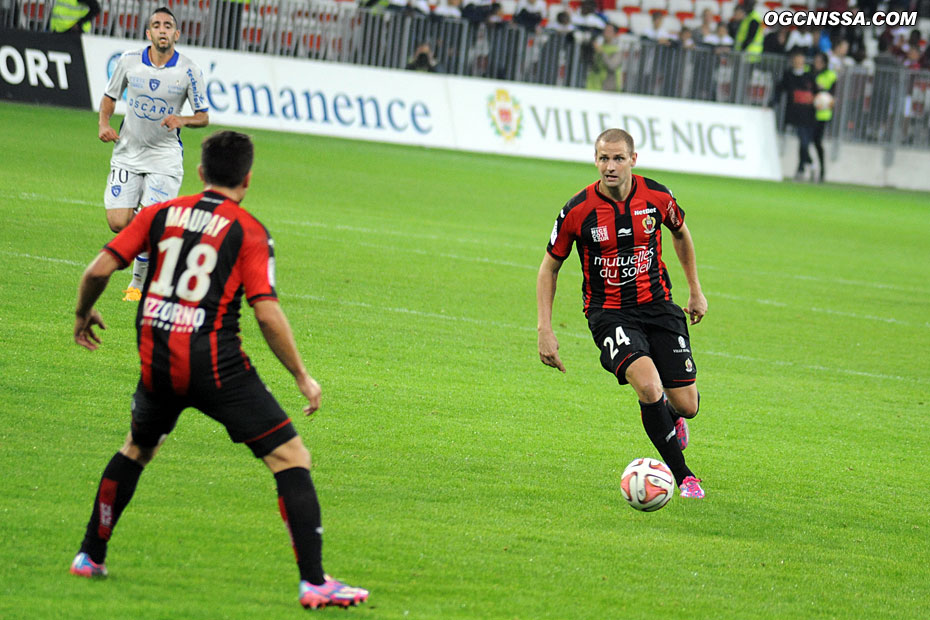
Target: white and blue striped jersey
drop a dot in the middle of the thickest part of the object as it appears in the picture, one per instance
(152, 93)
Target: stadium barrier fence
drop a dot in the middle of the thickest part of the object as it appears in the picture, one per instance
(884, 106)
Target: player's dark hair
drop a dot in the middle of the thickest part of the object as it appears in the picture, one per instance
(226, 157)
(163, 9)
(615, 135)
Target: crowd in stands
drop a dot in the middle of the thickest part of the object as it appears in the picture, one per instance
(709, 24)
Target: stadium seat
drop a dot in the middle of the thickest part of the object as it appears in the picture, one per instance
(726, 9)
(685, 16)
(127, 25)
(33, 16)
(252, 28)
(680, 6)
(554, 10)
(618, 18)
(700, 5)
(649, 6)
(640, 23)
(631, 9)
(671, 24)
(693, 23)
(102, 23)
(773, 4)
(508, 7)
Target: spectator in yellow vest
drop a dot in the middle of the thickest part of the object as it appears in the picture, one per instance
(825, 82)
(73, 15)
(605, 72)
(750, 33)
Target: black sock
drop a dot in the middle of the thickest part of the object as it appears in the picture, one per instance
(117, 485)
(300, 510)
(661, 430)
(671, 410)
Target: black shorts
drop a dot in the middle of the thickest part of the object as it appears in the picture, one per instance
(244, 406)
(657, 330)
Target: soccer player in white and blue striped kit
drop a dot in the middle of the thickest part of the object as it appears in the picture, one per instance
(147, 165)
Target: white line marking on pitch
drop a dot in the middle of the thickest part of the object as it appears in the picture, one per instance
(53, 199)
(434, 237)
(47, 259)
(527, 328)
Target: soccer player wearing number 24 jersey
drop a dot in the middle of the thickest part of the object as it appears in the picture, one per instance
(208, 253)
(615, 225)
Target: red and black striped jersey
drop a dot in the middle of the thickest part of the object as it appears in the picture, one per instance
(619, 244)
(205, 251)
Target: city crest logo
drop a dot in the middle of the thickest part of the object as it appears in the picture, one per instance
(506, 114)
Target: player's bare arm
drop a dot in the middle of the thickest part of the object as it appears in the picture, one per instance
(104, 131)
(277, 332)
(198, 119)
(545, 294)
(684, 248)
(93, 283)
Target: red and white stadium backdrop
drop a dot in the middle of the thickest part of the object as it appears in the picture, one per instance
(508, 118)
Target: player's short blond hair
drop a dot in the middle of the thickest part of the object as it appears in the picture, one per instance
(615, 135)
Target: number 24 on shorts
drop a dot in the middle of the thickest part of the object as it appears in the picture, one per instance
(620, 338)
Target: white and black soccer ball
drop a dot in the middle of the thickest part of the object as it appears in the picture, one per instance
(823, 100)
(647, 484)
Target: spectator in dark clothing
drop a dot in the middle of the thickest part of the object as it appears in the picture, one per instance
(478, 11)
(798, 86)
(423, 59)
(739, 14)
(774, 41)
(530, 14)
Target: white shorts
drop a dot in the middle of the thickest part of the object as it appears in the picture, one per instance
(127, 190)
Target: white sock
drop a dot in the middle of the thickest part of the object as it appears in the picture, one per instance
(140, 269)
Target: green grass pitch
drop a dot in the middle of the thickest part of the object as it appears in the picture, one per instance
(459, 477)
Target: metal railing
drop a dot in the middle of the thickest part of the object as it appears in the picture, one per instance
(888, 105)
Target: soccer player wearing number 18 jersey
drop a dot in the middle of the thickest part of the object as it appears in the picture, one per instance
(207, 254)
(615, 225)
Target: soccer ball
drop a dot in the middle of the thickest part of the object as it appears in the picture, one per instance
(647, 484)
(823, 100)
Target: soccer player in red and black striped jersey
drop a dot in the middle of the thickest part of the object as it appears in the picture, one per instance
(615, 226)
(208, 253)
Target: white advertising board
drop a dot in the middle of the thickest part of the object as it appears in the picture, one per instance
(508, 118)
(560, 123)
(285, 94)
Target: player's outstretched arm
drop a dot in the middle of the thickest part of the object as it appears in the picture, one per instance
(545, 294)
(684, 248)
(93, 283)
(277, 332)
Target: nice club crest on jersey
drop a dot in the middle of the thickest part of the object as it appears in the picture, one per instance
(506, 114)
(649, 224)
